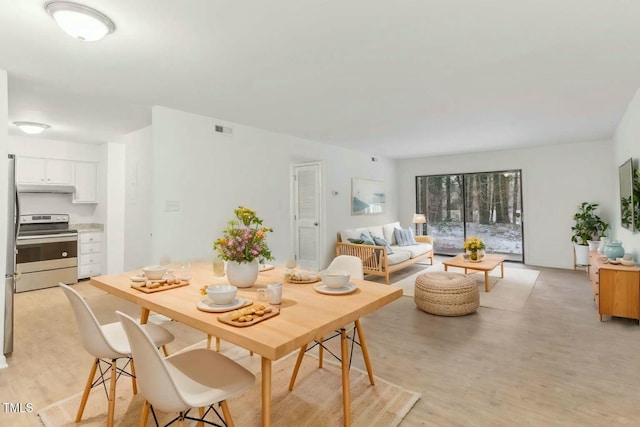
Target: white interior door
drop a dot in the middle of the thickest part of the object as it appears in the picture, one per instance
(306, 215)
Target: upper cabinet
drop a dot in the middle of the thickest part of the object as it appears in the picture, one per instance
(79, 174)
(34, 170)
(86, 182)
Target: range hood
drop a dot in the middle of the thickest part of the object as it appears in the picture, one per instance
(45, 188)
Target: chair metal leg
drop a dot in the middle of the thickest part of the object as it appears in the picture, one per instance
(294, 374)
(365, 351)
(217, 344)
(208, 340)
(320, 352)
(145, 413)
(226, 413)
(87, 389)
(164, 350)
(112, 394)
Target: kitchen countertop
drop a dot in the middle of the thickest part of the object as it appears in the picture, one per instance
(85, 228)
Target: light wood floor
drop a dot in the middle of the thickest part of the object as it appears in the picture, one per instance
(551, 364)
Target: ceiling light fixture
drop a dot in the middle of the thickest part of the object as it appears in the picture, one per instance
(31, 128)
(80, 22)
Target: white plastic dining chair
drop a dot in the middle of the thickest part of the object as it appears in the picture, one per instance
(107, 343)
(353, 266)
(197, 378)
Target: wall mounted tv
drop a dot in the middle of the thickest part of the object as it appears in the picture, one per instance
(629, 197)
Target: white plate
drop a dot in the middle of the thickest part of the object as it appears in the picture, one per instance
(324, 289)
(208, 305)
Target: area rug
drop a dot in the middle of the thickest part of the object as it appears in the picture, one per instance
(316, 400)
(509, 293)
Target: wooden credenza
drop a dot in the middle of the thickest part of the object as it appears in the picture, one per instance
(616, 288)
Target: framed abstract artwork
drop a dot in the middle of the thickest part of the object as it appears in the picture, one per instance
(367, 196)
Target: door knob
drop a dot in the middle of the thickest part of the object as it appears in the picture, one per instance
(315, 223)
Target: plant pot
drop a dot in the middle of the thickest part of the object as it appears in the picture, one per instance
(242, 274)
(582, 254)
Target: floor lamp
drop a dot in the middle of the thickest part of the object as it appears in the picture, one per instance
(419, 219)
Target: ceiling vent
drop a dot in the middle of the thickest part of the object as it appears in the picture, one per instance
(224, 130)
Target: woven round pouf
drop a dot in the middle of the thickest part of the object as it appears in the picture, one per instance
(446, 294)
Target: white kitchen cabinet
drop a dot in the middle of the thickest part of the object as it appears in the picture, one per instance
(90, 254)
(35, 170)
(85, 179)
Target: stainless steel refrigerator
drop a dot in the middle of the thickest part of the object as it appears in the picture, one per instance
(10, 275)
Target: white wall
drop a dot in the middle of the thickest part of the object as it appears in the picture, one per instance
(113, 244)
(61, 203)
(211, 174)
(556, 179)
(626, 145)
(138, 187)
(4, 118)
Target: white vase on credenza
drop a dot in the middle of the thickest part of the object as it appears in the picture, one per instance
(603, 243)
(593, 245)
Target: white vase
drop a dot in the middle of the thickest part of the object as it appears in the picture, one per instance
(603, 243)
(242, 274)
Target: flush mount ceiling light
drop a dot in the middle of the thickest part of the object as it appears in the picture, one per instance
(80, 22)
(31, 128)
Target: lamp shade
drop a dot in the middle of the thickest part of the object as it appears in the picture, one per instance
(32, 128)
(79, 21)
(419, 219)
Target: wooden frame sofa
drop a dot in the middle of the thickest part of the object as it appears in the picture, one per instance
(375, 259)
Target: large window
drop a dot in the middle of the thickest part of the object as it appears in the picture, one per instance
(487, 205)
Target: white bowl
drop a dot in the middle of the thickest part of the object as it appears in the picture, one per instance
(335, 278)
(626, 262)
(221, 294)
(154, 272)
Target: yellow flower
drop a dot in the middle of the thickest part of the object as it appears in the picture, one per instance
(473, 244)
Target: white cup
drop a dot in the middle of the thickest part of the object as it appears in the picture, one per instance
(275, 293)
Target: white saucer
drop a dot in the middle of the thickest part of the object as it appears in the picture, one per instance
(208, 305)
(324, 289)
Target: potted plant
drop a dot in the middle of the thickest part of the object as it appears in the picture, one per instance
(242, 245)
(587, 227)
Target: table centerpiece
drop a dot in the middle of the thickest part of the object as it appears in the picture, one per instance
(474, 247)
(242, 245)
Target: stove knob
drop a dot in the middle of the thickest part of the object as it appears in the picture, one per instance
(64, 254)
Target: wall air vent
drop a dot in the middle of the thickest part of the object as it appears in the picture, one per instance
(224, 130)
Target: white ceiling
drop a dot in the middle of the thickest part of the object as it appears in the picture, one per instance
(395, 78)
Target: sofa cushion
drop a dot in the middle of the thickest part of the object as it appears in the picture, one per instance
(376, 231)
(414, 250)
(404, 236)
(353, 233)
(383, 242)
(397, 257)
(387, 232)
(366, 239)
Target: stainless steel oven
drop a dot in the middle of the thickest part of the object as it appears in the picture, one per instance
(47, 252)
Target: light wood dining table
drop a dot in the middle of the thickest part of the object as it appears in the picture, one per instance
(305, 316)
